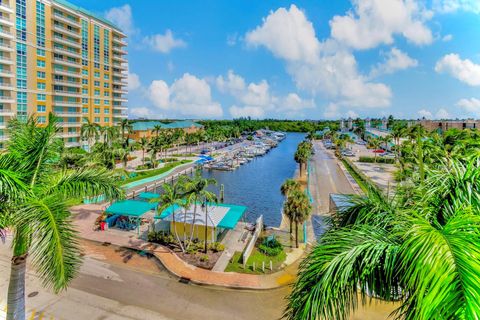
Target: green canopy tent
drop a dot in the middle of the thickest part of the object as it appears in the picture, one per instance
(133, 209)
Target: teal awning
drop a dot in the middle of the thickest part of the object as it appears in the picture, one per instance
(165, 213)
(148, 195)
(233, 215)
(131, 208)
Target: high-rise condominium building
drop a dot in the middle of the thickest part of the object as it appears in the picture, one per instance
(57, 57)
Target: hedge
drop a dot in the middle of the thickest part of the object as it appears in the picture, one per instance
(379, 160)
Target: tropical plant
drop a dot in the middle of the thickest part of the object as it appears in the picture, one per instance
(35, 197)
(143, 144)
(125, 127)
(90, 132)
(419, 248)
(297, 208)
(286, 189)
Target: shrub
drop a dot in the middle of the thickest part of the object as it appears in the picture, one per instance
(379, 160)
(161, 237)
(169, 160)
(204, 258)
(270, 248)
(216, 247)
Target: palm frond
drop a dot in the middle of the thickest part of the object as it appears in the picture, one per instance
(83, 183)
(54, 249)
(346, 264)
(441, 268)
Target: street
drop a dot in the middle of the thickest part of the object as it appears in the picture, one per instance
(137, 290)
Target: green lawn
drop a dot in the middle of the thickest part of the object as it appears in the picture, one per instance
(236, 266)
(151, 173)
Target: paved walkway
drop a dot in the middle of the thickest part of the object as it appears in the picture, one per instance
(235, 240)
(84, 218)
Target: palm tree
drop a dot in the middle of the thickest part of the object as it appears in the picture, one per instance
(157, 129)
(172, 197)
(289, 186)
(126, 127)
(298, 209)
(303, 153)
(143, 144)
(196, 191)
(375, 144)
(420, 249)
(89, 131)
(35, 197)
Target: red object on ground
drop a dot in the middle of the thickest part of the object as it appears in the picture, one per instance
(378, 151)
(102, 225)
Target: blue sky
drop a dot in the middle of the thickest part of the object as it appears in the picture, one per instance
(305, 59)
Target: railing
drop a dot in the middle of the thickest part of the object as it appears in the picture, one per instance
(253, 240)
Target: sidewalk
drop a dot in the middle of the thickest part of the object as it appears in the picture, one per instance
(85, 215)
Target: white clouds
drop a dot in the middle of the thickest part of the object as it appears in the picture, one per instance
(442, 114)
(133, 81)
(164, 43)
(449, 6)
(143, 112)
(423, 113)
(316, 67)
(187, 96)
(395, 60)
(232, 39)
(375, 22)
(464, 70)
(122, 17)
(256, 100)
(447, 38)
(287, 34)
(471, 105)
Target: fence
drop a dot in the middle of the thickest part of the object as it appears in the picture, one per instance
(159, 183)
(253, 240)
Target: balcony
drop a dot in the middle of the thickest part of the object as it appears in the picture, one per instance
(6, 47)
(68, 114)
(70, 124)
(67, 73)
(119, 41)
(67, 63)
(120, 66)
(6, 60)
(62, 18)
(6, 86)
(66, 104)
(69, 134)
(67, 42)
(119, 90)
(5, 8)
(6, 35)
(119, 58)
(7, 113)
(119, 83)
(119, 49)
(7, 99)
(69, 32)
(120, 107)
(67, 83)
(66, 93)
(119, 115)
(6, 22)
(67, 52)
(72, 144)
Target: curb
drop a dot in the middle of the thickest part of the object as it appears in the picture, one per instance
(197, 282)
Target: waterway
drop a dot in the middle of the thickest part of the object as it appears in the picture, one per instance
(256, 184)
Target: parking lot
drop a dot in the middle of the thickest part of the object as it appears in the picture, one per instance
(380, 173)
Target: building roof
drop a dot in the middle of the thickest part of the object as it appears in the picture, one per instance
(149, 125)
(219, 215)
(88, 13)
(131, 208)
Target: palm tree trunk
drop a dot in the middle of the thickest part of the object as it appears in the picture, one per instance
(143, 157)
(291, 226)
(16, 288)
(175, 231)
(206, 233)
(296, 234)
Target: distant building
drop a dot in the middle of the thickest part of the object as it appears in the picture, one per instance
(146, 128)
(350, 123)
(384, 125)
(443, 125)
(342, 124)
(368, 123)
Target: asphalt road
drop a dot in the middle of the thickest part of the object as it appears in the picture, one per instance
(104, 290)
(326, 178)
